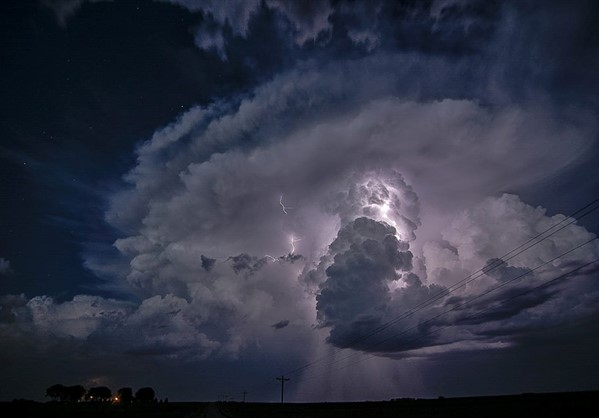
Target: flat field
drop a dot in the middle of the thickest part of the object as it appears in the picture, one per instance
(27, 409)
(549, 405)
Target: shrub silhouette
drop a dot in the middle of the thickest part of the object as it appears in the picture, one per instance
(75, 393)
(145, 395)
(99, 394)
(57, 392)
(64, 393)
(125, 395)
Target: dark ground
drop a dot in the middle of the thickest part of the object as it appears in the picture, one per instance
(571, 405)
(575, 404)
(30, 409)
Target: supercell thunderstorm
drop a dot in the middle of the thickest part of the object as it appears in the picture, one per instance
(220, 258)
(359, 204)
(295, 244)
(338, 249)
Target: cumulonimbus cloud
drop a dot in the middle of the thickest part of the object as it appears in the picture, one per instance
(201, 211)
(204, 190)
(397, 192)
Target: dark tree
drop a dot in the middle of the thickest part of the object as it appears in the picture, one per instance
(145, 395)
(99, 394)
(75, 393)
(125, 395)
(57, 392)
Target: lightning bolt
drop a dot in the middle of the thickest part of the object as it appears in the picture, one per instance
(272, 258)
(292, 241)
(292, 238)
(283, 206)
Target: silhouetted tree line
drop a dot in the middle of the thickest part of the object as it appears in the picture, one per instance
(78, 393)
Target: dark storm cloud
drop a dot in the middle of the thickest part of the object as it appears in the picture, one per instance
(291, 258)
(442, 27)
(502, 272)
(207, 263)
(281, 324)
(246, 262)
(493, 41)
(504, 305)
(356, 282)
(509, 46)
(520, 299)
(301, 21)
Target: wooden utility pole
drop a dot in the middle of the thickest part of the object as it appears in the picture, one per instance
(244, 393)
(282, 379)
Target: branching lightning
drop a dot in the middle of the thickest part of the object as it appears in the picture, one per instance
(271, 257)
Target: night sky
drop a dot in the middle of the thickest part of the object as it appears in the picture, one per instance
(372, 198)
